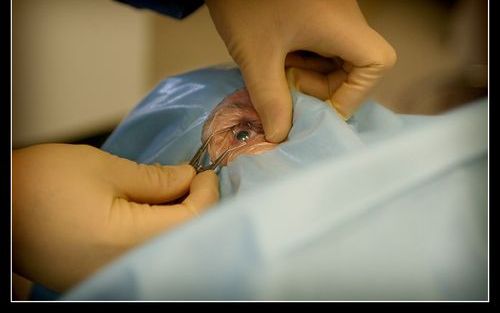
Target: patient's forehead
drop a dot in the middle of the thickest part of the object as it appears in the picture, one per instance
(232, 110)
(238, 99)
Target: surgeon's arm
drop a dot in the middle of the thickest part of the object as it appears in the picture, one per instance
(177, 9)
(76, 208)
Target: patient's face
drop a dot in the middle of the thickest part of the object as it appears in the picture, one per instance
(237, 127)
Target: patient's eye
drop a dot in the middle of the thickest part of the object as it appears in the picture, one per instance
(242, 135)
(236, 126)
(245, 131)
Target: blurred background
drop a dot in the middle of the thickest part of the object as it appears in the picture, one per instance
(78, 67)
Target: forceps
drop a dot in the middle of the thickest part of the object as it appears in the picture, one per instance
(197, 160)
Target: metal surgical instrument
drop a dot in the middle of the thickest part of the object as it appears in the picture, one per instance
(197, 160)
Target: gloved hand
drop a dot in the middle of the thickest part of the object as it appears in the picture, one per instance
(260, 33)
(76, 207)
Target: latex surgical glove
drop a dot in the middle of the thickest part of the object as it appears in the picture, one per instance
(76, 207)
(260, 33)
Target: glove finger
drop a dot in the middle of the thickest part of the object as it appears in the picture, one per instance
(265, 79)
(132, 222)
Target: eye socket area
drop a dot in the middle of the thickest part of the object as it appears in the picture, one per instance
(236, 138)
(236, 127)
(245, 131)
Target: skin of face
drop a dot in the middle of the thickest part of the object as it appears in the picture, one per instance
(237, 128)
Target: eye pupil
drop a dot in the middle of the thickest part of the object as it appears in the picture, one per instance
(242, 135)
